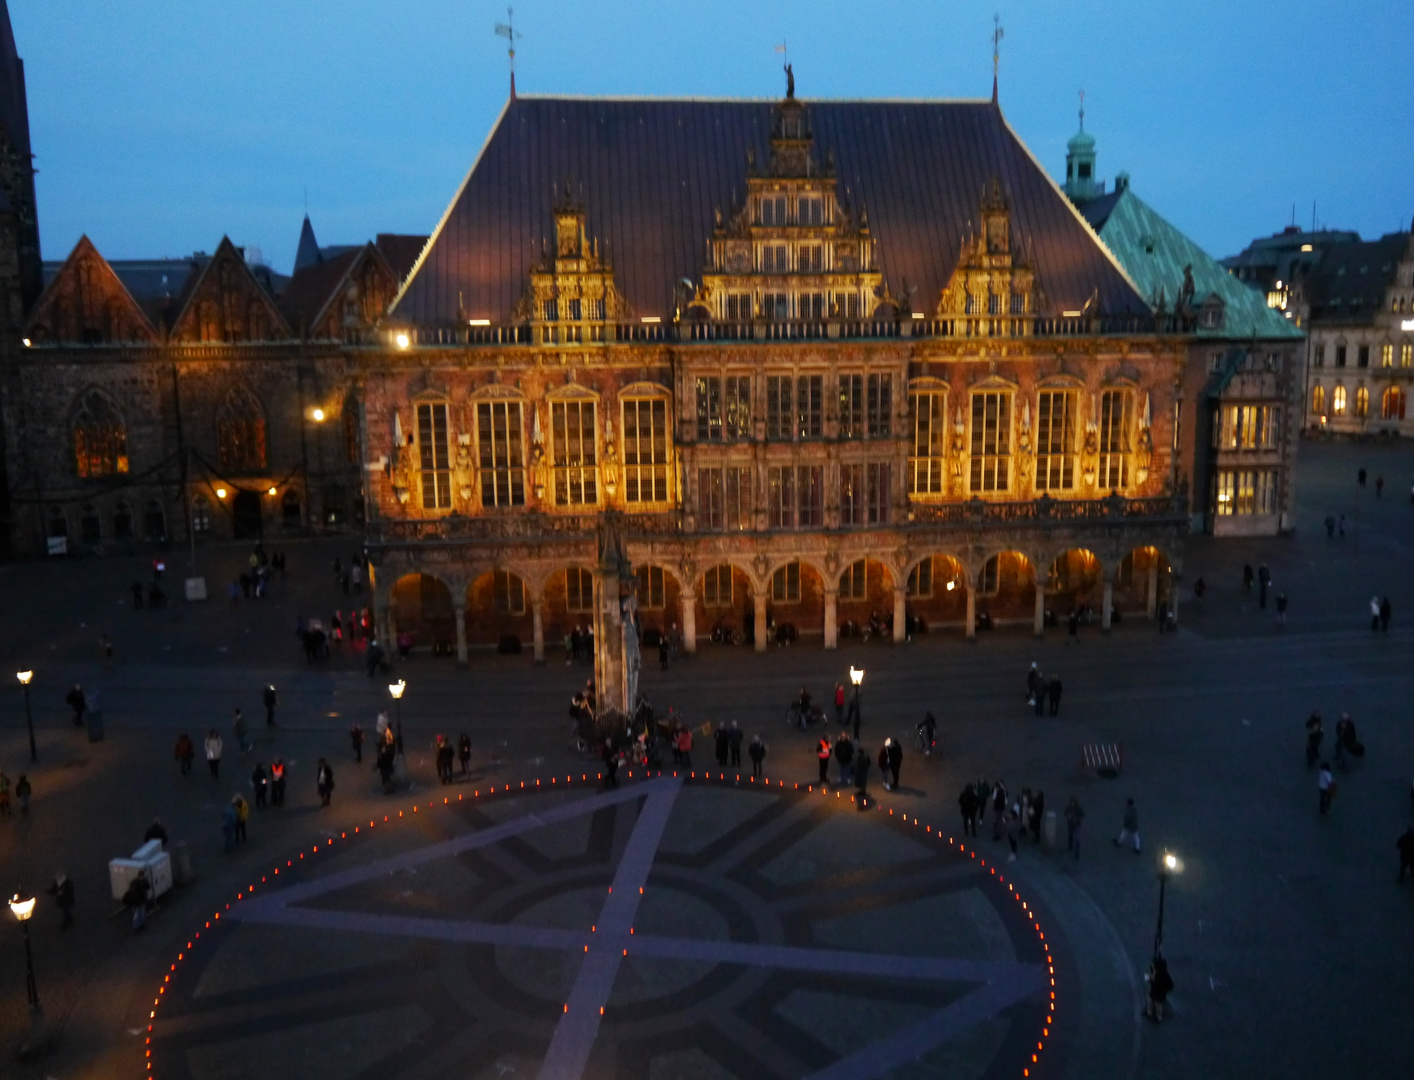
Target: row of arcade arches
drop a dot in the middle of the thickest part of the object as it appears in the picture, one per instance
(523, 609)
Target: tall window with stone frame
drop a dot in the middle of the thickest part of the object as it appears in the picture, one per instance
(240, 432)
(991, 441)
(785, 583)
(920, 579)
(645, 428)
(434, 456)
(709, 408)
(736, 407)
(652, 594)
(1338, 401)
(780, 414)
(1318, 400)
(1116, 422)
(724, 499)
(717, 587)
(507, 593)
(1362, 402)
(500, 453)
(574, 463)
(1055, 440)
(879, 405)
(852, 407)
(926, 460)
(864, 493)
(809, 406)
(579, 591)
(854, 581)
(100, 437)
(794, 496)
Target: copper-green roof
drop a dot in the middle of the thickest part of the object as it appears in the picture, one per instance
(1154, 254)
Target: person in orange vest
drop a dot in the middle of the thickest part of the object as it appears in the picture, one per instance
(277, 782)
(824, 751)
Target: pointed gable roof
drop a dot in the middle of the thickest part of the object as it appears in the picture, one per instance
(307, 254)
(651, 173)
(239, 308)
(87, 303)
(14, 108)
(311, 298)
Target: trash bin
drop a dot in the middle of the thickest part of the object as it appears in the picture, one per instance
(95, 725)
(1049, 828)
(181, 862)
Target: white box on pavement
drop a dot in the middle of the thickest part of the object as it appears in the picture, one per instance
(148, 851)
(158, 865)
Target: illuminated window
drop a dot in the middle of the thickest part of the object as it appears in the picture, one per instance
(773, 210)
(1318, 400)
(1386, 356)
(927, 458)
(775, 259)
(508, 593)
(652, 593)
(574, 452)
(810, 305)
(780, 416)
(736, 407)
(785, 583)
(434, 456)
(920, 580)
(717, 587)
(579, 590)
(866, 406)
(100, 437)
(809, 406)
(1338, 401)
(240, 432)
(709, 408)
(1392, 404)
(501, 453)
(1246, 492)
(645, 427)
(811, 258)
(864, 493)
(852, 581)
(724, 499)
(1362, 402)
(1055, 440)
(991, 441)
(1406, 355)
(1116, 420)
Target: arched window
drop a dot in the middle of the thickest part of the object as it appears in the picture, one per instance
(1362, 402)
(100, 437)
(200, 514)
(1318, 401)
(240, 432)
(1338, 401)
(1392, 404)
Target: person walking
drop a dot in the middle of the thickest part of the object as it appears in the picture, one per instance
(1385, 612)
(883, 762)
(1053, 694)
(1314, 735)
(823, 753)
(1374, 613)
(260, 782)
(1160, 986)
(895, 756)
(1130, 826)
(228, 826)
(324, 782)
(184, 751)
(1281, 609)
(999, 805)
(1330, 521)
(719, 745)
(1325, 787)
(1360, 477)
(242, 816)
(271, 699)
(1405, 844)
(1009, 817)
(238, 725)
(757, 753)
(734, 737)
(685, 745)
(967, 803)
(662, 652)
(1247, 578)
(277, 782)
(356, 739)
(464, 751)
(445, 754)
(839, 703)
(22, 792)
(156, 831)
(844, 754)
(213, 754)
(1264, 581)
(1074, 816)
(1073, 627)
(63, 892)
(77, 700)
(1038, 814)
(1035, 684)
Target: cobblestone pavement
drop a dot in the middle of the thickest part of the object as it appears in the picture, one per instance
(1286, 932)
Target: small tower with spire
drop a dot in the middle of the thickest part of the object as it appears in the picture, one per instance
(1080, 183)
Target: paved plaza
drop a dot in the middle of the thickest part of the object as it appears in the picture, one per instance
(785, 934)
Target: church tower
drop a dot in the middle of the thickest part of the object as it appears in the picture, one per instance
(1080, 183)
(21, 276)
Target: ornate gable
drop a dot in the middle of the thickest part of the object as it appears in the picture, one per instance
(227, 304)
(794, 251)
(359, 299)
(994, 283)
(571, 293)
(86, 304)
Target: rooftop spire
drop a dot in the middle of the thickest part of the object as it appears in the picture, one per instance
(997, 34)
(1082, 109)
(507, 30)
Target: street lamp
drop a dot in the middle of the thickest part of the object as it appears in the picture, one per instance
(1169, 864)
(396, 689)
(856, 676)
(23, 908)
(25, 677)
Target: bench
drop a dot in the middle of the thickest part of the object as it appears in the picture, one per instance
(1105, 758)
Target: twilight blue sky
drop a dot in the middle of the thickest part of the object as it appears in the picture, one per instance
(159, 125)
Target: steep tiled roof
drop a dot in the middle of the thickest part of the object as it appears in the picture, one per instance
(651, 172)
(1349, 283)
(1155, 254)
(401, 251)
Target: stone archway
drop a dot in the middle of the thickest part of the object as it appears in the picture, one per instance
(1075, 581)
(422, 613)
(1007, 591)
(498, 611)
(722, 606)
(936, 592)
(1143, 580)
(865, 600)
(791, 605)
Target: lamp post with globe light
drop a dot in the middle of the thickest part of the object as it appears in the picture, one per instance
(22, 906)
(396, 689)
(1169, 864)
(856, 676)
(25, 677)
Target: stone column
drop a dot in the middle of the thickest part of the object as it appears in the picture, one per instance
(1039, 623)
(832, 617)
(459, 612)
(1106, 604)
(1151, 589)
(537, 619)
(900, 614)
(970, 620)
(760, 599)
(689, 622)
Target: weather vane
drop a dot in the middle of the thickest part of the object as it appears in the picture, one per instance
(997, 34)
(1082, 109)
(507, 30)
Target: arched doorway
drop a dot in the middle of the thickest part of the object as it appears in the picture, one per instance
(498, 612)
(1143, 581)
(246, 515)
(1006, 591)
(937, 593)
(421, 608)
(866, 601)
(1075, 582)
(724, 605)
(795, 603)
